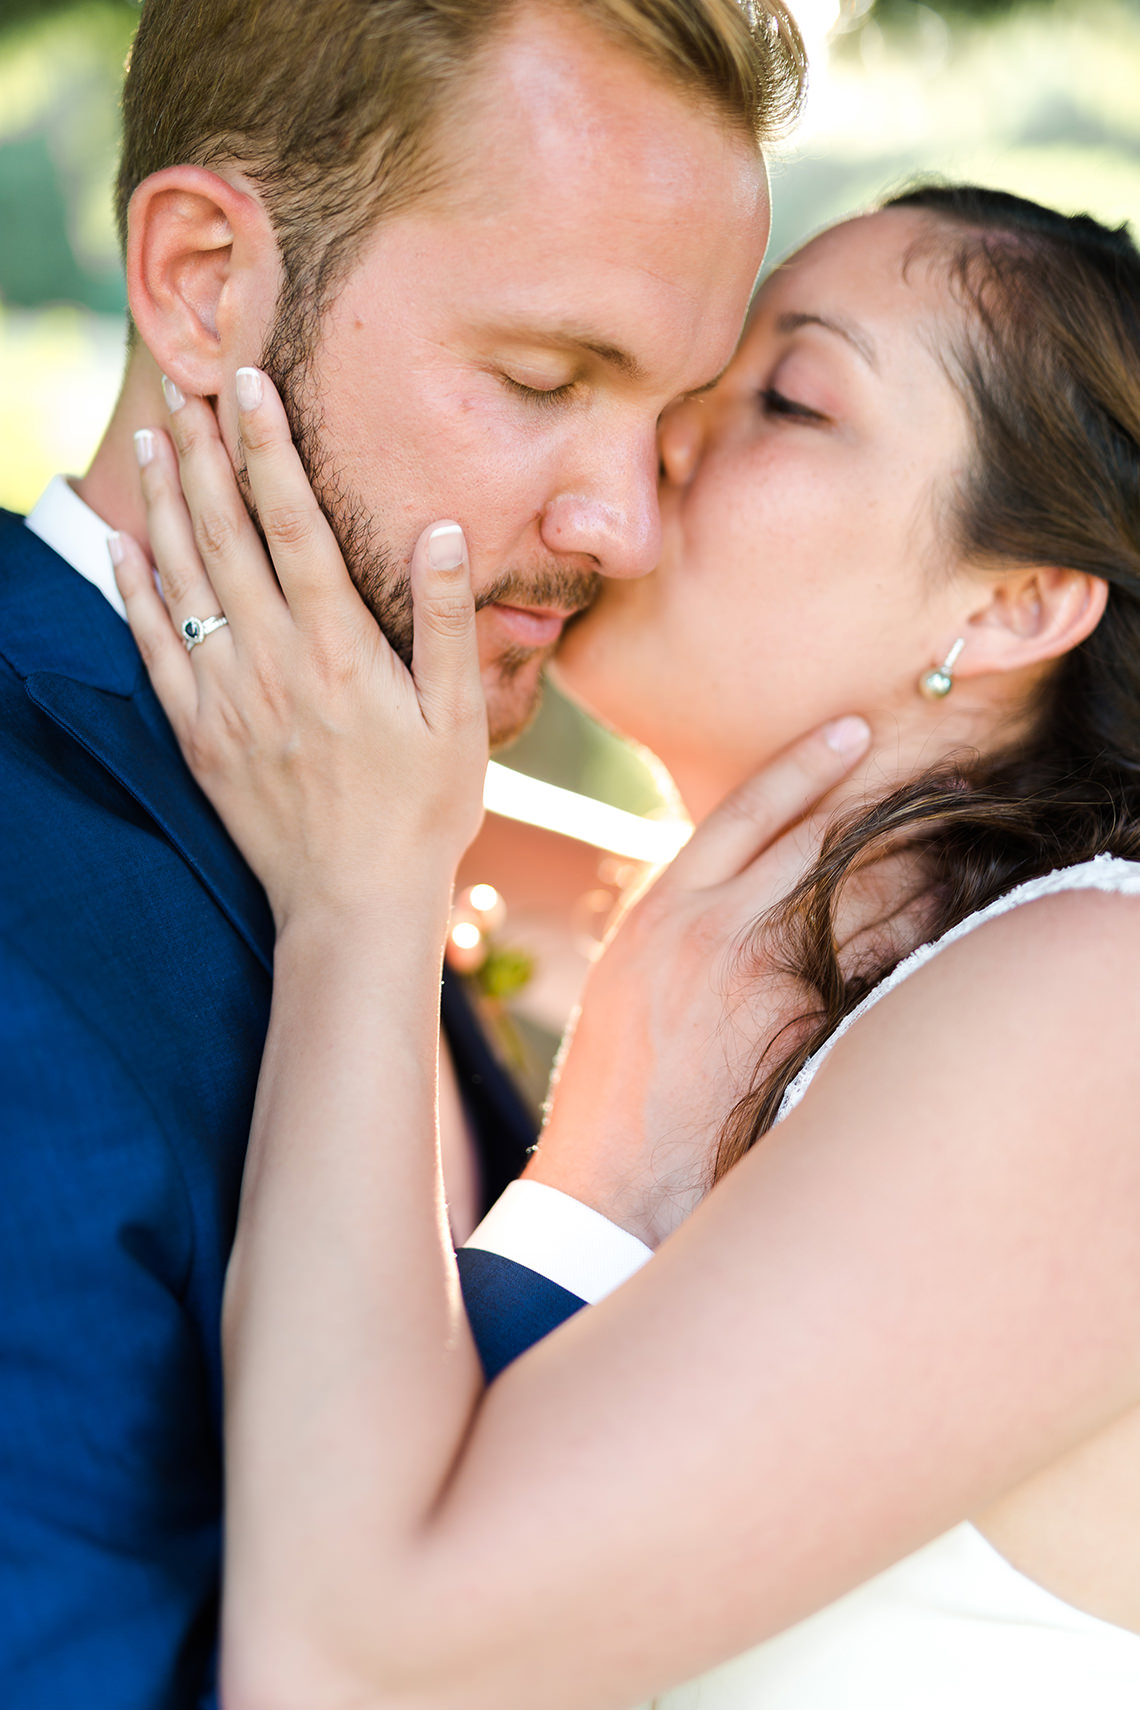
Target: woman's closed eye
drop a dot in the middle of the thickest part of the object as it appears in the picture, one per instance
(777, 404)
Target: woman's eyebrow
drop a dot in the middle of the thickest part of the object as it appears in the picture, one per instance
(709, 385)
(855, 336)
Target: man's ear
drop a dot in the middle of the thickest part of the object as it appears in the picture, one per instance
(202, 275)
(1031, 616)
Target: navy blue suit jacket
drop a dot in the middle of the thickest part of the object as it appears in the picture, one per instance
(509, 1306)
(135, 953)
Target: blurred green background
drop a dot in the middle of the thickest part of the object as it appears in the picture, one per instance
(1041, 97)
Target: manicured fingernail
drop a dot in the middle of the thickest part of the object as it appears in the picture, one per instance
(144, 447)
(115, 548)
(248, 384)
(847, 736)
(174, 395)
(445, 547)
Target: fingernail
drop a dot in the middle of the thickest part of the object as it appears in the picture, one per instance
(445, 547)
(248, 385)
(847, 736)
(115, 548)
(174, 395)
(144, 446)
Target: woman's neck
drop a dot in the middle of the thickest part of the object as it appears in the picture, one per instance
(985, 716)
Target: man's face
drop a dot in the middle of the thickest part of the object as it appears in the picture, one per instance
(501, 357)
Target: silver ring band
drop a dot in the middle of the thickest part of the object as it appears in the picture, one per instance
(194, 630)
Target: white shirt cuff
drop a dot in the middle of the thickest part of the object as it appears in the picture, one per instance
(563, 1240)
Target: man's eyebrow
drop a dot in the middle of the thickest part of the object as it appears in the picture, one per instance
(613, 355)
(578, 338)
(855, 336)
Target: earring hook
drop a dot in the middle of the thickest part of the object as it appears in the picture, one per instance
(937, 683)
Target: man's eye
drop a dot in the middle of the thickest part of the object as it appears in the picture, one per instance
(775, 404)
(540, 395)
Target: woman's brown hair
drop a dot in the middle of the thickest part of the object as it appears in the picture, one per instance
(1049, 367)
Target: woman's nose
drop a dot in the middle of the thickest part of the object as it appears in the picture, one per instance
(680, 440)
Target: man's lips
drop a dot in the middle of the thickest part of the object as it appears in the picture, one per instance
(531, 626)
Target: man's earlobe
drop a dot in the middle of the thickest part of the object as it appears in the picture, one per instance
(201, 273)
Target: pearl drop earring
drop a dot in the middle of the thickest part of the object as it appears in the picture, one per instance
(937, 683)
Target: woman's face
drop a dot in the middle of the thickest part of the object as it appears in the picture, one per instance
(805, 570)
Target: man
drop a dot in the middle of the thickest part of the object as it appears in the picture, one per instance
(480, 246)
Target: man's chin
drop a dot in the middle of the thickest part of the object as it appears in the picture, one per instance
(513, 686)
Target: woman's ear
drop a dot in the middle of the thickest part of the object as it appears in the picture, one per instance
(1031, 616)
(202, 274)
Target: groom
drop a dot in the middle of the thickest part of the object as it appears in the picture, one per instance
(480, 247)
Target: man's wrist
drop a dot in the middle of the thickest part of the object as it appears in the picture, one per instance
(559, 1237)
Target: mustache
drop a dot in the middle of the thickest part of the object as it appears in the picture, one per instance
(557, 586)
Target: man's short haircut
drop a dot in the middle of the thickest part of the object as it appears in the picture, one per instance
(334, 108)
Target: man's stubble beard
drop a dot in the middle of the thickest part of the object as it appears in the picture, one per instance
(372, 562)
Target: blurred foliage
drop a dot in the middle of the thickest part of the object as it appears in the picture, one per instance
(1038, 97)
(60, 72)
(888, 10)
(505, 971)
(601, 765)
(16, 12)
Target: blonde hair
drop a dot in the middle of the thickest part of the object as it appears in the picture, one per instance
(332, 106)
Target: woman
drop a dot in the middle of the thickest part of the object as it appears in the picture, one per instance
(871, 1417)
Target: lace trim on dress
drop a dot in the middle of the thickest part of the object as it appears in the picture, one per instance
(1102, 873)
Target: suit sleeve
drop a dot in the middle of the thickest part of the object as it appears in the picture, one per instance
(109, 1459)
(536, 1259)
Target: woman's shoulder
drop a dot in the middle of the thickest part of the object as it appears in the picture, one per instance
(1037, 945)
(1077, 924)
(1002, 1074)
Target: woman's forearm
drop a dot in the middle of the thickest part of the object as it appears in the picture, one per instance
(364, 1321)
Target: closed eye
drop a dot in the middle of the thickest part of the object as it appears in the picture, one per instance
(776, 404)
(540, 395)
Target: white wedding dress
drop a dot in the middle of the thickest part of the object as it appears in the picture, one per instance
(955, 1626)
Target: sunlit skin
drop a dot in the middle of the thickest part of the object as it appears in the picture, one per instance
(807, 568)
(500, 355)
(914, 1304)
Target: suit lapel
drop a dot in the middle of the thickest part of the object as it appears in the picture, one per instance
(81, 668)
(132, 740)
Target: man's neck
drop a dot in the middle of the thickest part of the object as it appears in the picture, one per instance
(111, 484)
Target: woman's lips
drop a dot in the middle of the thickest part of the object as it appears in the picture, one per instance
(530, 626)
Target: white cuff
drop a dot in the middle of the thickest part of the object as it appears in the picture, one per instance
(562, 1239)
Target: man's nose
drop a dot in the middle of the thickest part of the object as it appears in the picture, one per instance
(681, 438)
(609, 509)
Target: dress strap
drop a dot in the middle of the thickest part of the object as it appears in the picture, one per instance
(1102, 873)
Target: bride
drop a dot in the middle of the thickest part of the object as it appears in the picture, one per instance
(869, 1421)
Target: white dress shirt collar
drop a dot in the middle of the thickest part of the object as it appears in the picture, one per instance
(71, 528)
